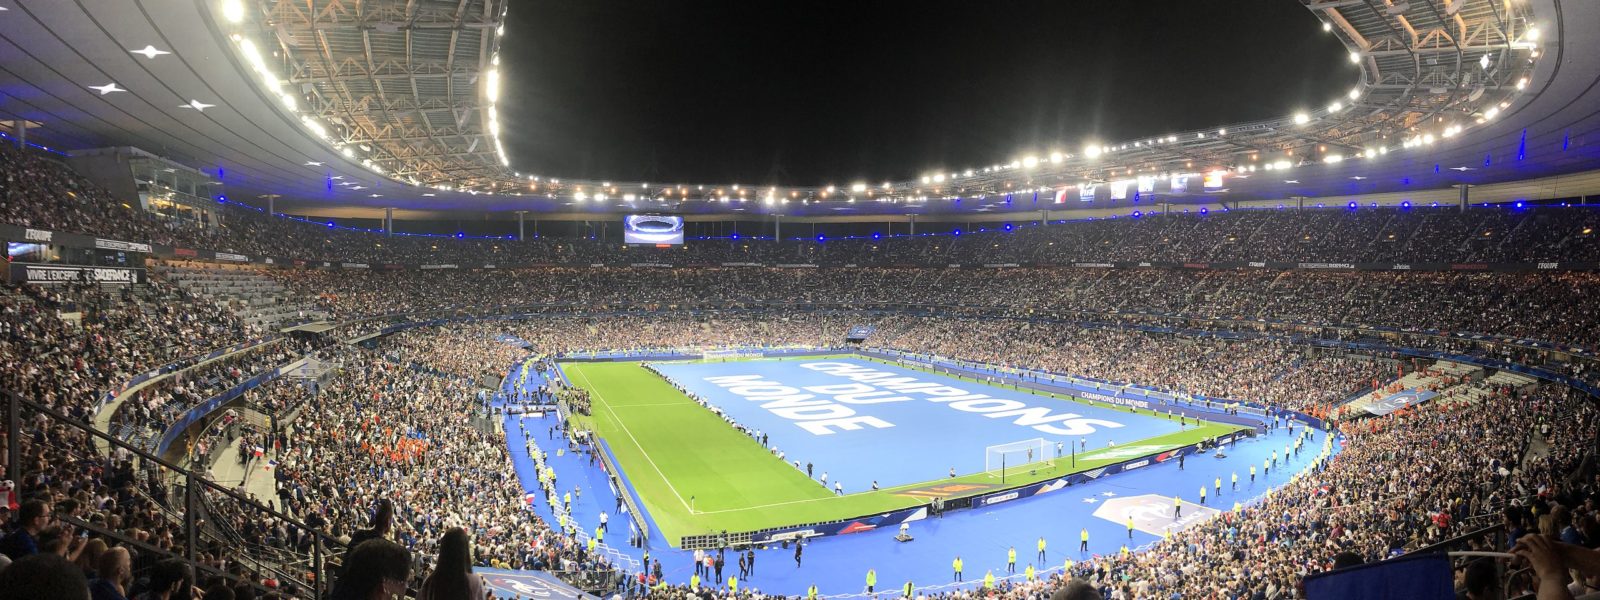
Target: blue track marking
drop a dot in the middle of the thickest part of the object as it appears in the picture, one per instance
(927, 437)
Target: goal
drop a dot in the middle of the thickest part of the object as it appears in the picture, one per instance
(729, 354)
(1016, 457)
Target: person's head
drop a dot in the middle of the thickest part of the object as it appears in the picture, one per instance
(219, 591)
(383, 516)
(449, 578)
(171, 579)
(115, 565)
(375, 569)
(1481, 579)
(34, 516)
(89, 557)
(1076, 589)
(43, 575)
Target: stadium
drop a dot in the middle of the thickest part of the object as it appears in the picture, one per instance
(335, 299)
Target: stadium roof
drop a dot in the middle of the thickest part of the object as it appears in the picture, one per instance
(336, 103)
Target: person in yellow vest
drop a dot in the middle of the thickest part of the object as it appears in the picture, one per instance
(1219, 486)
(1236, 480)
(1130, 526)
(811, 592)
(591, 545)
(1028, 573)
(1202, 494)
(1041, 550)
(1066, 569)
(600, 534)
(1252, 474)
(988, 580)
(908, 589)
(1124, 551)
(1177, 507)
(956, 565)
(1011, 560)
(872, 579)
(1166, 534)
(1083, 540)
(733, 584)
(694, 582)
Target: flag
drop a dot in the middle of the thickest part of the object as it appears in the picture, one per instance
(1415, 577)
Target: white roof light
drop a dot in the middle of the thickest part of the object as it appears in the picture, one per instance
(1336, 106)
(233, 10)
(1355, 93)
(491, 87)
(1091, 151)
(149, 52)
(1355, 57)
(1030, 162)
(1301, 118)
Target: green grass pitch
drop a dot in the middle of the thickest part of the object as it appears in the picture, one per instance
(697, 475)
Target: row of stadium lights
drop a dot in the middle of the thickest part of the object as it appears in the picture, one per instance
(1008, 227)
(234, 12)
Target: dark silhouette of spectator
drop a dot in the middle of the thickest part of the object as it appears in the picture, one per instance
(374, 570)
(452, 577)
(43, 576)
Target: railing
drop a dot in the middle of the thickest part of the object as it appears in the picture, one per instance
(193, 485)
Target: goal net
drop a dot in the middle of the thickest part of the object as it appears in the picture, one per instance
(729, 354)
(1016, 457)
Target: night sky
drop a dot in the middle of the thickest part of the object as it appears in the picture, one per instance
(816, 92)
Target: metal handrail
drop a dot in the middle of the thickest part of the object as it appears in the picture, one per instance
(192, 481)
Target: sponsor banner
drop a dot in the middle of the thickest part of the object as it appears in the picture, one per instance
(350, 265)
(1324, 265)
(489, 267)
(37, 273)
(105, 244)
(795, 266)
(741, 264)
(1001, 265)
(228, 256)
(38, 235)
(887, 520)
(652, 265)
(185, 253)
(436, 267)
(1094, 265)
(528, 584)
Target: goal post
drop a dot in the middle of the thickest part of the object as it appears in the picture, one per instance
(1016, 457)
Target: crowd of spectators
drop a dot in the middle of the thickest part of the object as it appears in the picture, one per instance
(44, 193)
(397, 432)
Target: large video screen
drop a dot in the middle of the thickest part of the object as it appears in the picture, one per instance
(652, 229)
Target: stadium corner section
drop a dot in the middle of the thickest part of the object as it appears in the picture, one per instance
(697, 475)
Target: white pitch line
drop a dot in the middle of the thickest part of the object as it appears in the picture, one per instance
(636, 443)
